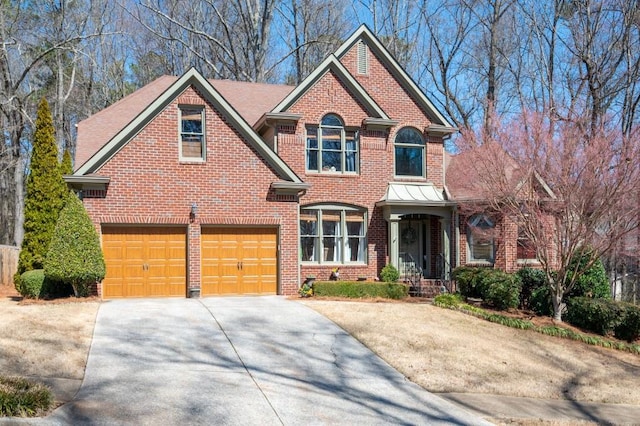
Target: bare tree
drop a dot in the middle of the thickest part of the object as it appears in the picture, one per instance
(593, 178)
(313, 30)
(469, 44)
(231, 38)
(31, 57)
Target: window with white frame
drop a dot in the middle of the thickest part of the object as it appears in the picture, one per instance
(192, 143)
(331, 148)
(409, 153)
(331, 234)
(480, 238)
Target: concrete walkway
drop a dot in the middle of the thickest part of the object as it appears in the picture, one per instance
(260, 360)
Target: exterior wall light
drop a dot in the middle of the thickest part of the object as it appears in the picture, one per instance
(194, 211)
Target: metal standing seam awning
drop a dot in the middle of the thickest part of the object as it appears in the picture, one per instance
(414, 194)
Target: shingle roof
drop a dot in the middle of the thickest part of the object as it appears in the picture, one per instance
(250, 100)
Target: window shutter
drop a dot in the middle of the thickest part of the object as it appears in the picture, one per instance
(363, 58)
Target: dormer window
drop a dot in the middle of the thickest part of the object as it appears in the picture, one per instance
(192, 143)
(331, 148)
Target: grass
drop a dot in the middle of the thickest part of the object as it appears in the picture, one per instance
(453, 302)
(20, 397)
(449, 351)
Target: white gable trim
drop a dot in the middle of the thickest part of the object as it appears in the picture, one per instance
(332, 64)
(191, 77)
(363, 33)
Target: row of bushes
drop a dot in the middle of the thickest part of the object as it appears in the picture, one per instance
(528, 288)
(454, 301)
(603, 316)
(359, 289)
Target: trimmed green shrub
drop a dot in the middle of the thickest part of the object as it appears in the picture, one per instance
(592, 283)
(629, 326)
(359, 289)
(75, 255)
(600, 316)
(501, 290)
(32, 284)
(389, 274)
(22, 398)
(45, 194)
(469, 280)
(540, 301)
(532, 280)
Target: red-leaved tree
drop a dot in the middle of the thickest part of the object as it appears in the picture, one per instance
(573, 190)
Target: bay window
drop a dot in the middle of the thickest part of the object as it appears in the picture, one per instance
(332, 235)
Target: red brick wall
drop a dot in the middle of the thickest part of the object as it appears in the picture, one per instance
(397, 104)
(150, 185)
(376, 169)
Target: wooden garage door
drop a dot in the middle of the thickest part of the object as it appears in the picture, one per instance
(239, 261)
(144, 261)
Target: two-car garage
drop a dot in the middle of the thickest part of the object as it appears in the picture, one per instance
(151, 261)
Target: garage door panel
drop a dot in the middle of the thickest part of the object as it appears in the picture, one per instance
(144, 261)
(239, 260)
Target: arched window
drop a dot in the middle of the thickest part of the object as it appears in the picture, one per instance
(331, 148)
(480, 238)
(409, 153)
(333, 234)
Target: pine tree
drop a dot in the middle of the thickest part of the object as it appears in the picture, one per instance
(75, 255)
(45, 193)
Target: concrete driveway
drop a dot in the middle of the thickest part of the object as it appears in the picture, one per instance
(239, 360)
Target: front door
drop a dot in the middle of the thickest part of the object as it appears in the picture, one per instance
(411, 239)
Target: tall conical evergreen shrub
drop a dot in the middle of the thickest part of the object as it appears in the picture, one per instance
(45, 193)
(66, 168)
(75, 255)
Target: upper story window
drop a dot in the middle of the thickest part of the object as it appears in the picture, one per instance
(192, 146)
(331, 148)
(331, 234)
(480, 238)
(409, 153)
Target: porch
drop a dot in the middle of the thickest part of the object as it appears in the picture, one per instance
(419, 220)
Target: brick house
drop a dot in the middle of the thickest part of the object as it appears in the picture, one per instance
(205, 187)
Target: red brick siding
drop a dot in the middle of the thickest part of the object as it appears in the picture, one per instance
(149, 185)
(376, 167)
(397, 104)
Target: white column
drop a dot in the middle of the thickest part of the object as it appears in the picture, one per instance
(394, 247)
(445, 224)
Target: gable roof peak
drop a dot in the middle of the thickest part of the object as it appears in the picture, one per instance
(363, 32)
(191, 77)
(331, 63)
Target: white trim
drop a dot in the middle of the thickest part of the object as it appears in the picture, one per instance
(189, 78)
(376, 47)
(203, 143)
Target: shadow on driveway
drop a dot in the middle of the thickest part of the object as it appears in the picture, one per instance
(239, 360)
